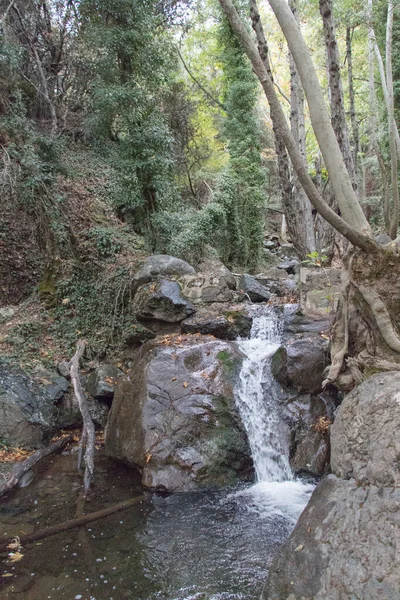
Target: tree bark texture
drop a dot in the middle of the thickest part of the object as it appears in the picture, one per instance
(360, 234)
(341, 182)
(338, 114)
(353, 116)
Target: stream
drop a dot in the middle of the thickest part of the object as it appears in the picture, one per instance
(209, 545)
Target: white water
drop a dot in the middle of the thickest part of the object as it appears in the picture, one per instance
(277, 491)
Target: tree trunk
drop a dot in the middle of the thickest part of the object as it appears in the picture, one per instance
(338, 115)
(294, 200)
(341, 182)
(394, 221)
(353, 116)
(304, 211)
(358, 234)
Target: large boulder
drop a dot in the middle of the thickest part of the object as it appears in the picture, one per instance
(227, 323)
(365, 435)
(27, 413)
(217, 268)
(254, 290)
(161, 265)
(161, 300)
(346, 543)
(174, 415)
(300, 364)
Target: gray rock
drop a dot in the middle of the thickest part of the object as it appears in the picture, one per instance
(205, 288)
(216, 268)
(345, 544)
(300, 364)
(383, 238)
(99, 411)
(365, 435)
(310, 417)
(256, 292)
(296, 323)
(63, 368)
(269, 244)
(161, 265)
(27, 413)
(102, 381)
(225, 324)
(163, 301)
(57, 386)
(137, 334)
(174, 416)
(290, 266)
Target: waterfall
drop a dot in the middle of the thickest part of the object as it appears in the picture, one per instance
(257, 399)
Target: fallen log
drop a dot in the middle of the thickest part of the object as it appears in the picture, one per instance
(20, 469)
(77, 522)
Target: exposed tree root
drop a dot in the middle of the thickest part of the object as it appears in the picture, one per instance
(341, 340)
(381, 316)
(77, 522)
(20, 469)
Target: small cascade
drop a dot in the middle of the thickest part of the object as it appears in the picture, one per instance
(257, 400)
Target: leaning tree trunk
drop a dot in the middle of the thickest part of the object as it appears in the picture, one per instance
(338, 114)
(296, 205)
(366, 333)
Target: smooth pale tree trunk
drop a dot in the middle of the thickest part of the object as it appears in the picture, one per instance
(359, 235)
(341, 182)
(297, 124)
(394, 221)
(373, 112)
(336, 97)
(294, 200)
(353, 116)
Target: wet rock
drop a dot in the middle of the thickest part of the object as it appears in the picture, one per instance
(27, 413)
(226, 325)
(298, 323)
(161, 265)
(163, 301)
(102, 381)
(255, 291)
(310, 418)
(174, 416)
(345, 544)
(300, 364)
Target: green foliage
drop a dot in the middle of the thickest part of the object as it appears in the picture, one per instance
(132, 68)
(241, 191)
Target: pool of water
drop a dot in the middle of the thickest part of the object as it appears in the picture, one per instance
(211, 545)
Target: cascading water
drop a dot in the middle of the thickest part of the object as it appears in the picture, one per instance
(257, 400)
(276, 492)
